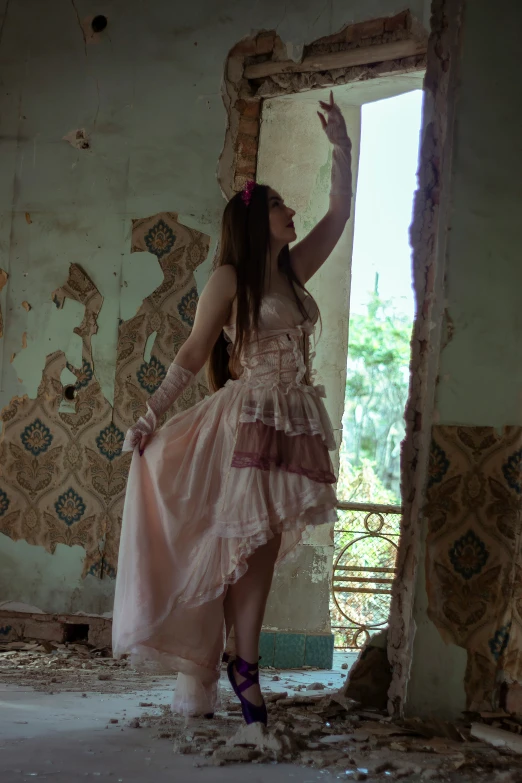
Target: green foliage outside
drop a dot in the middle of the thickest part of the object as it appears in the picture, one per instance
(376, 393)
(373, 428)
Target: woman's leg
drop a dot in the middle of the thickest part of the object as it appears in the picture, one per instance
(245, 605)
(229, 620)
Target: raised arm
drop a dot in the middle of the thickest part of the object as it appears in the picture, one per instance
(311, 253)
(212, 314)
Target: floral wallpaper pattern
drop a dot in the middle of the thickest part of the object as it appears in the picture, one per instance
(63, 475)
(474, 571)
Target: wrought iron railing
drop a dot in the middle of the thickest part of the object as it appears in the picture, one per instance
(366, 540)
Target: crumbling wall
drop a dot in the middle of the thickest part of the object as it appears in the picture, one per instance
(63, 472)
(459, 641)
(133, 125)
(428, 239)
(474, 510)
(262, 67)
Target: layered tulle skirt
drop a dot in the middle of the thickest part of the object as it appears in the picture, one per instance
(215, 483)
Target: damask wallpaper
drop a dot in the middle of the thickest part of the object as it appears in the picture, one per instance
(63, 475)
(474, 565)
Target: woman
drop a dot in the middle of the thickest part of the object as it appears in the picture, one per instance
(226, 489)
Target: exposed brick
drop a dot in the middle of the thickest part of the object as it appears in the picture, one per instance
(239, 182)
(349, 34)
(248, 108)
(246, 166)
(246, 145)
(235, 68)
(245, 48)
(265, 43)
(249, 126)
(45, 630)
(399, 22)
(370, 29)
(330, 39)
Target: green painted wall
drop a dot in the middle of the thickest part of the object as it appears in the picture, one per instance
(481, 367)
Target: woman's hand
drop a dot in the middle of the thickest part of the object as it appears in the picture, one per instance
(333, 124)
(143, 442)
(136, 436)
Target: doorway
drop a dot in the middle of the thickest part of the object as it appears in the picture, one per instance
(362, 296)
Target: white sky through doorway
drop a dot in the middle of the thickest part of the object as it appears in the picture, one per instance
(386, 184)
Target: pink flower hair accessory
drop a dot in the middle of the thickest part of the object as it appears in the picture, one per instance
(246, 193)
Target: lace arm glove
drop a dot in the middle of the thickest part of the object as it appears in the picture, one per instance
(176, 380)
(342, 171)
(335, 128)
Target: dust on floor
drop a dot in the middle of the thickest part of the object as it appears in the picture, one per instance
(310, 723)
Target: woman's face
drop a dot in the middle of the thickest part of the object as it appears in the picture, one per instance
(280, 216)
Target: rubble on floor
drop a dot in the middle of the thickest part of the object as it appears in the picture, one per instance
(55, 667)
(333, 733)
(308, 725)
(370, 677)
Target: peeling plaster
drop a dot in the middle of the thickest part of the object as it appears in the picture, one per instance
(78, 139)
(45, 584)
(321, 567)
(49, 330)
(138, 276)
(143, 163)
(428, 237)
(147, 353)
(141, 274)
(82, 448)
(237, 90)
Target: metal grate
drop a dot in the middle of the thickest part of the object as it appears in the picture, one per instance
(366, 540)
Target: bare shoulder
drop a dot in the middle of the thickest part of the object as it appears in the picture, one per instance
(223, 281)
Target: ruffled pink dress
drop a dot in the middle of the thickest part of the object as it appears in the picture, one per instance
(216, 482)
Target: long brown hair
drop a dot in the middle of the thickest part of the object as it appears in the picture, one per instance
(245, 244)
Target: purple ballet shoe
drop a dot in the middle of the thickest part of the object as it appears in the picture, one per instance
(252, 713)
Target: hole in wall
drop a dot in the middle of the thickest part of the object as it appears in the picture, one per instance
(69, 392)
(76, 632)
(99, 23)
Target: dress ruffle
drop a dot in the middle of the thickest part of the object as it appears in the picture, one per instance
(295, 409)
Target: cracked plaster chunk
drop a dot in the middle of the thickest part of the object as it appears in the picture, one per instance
(49, 330)
(78, 139)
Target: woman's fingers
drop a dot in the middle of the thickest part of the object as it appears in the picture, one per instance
(323, 121)
(143, 442)
(331, 104)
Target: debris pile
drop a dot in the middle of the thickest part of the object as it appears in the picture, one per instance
(56, 667)
(333, 733)
(308, 724)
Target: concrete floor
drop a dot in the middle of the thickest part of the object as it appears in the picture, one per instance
(67, 737)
